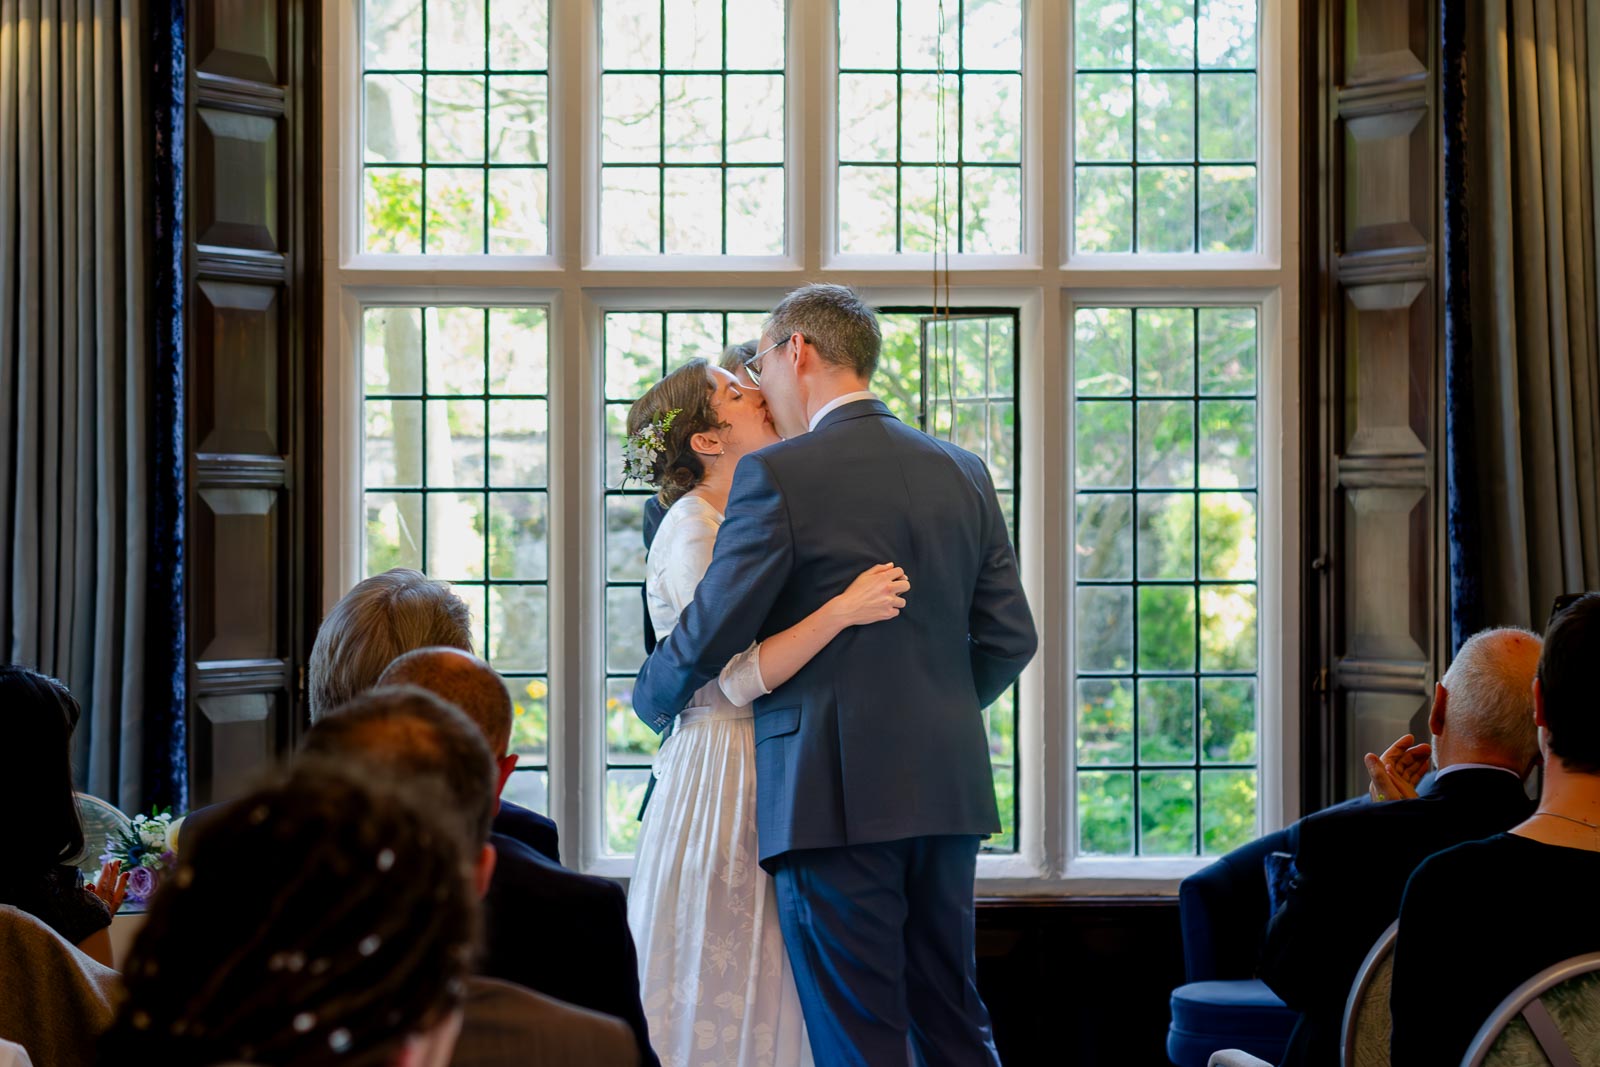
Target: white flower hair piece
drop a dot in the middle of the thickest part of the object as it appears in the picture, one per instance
(641, 450)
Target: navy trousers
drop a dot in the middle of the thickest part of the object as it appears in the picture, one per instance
(881, 941)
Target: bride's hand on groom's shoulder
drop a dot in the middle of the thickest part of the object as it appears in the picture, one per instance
(876, 595)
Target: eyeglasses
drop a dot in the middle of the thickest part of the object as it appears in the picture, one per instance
(750, 364)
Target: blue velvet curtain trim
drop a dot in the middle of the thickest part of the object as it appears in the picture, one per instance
(1464, 533)
(166, 772)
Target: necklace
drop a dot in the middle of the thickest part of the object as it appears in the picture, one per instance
(1569, 818)
(1594, 827)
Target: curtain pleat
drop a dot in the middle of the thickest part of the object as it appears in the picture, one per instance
(76, 374)
(1536, 360)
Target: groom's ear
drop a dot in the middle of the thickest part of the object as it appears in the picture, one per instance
(707, 444)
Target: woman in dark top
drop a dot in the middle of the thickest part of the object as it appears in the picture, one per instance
(323, 920)
(37, 717)
(1480, 919)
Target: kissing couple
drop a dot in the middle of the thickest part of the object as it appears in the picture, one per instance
(825, 713)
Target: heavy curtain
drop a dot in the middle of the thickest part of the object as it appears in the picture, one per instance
(75, 373)
(1523, 349)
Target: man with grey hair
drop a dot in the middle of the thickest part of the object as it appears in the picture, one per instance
(873, 784)
(381, 618)
(376, 622)
(1351, 862)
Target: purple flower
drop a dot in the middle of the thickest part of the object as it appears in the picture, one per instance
(141, 884)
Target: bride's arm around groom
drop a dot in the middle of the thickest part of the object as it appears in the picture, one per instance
(874, 786)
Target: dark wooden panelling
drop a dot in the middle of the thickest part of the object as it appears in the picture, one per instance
(239, 38)
(238, 187)
(1079, 980)
(1371, 305)
(231, 731)
(237, 548)
(239, 367)
(253, 326)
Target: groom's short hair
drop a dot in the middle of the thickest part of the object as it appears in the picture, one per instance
(838, 323)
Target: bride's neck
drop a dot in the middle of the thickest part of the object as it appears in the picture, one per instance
(714, 487)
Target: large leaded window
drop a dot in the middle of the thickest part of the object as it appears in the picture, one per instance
(954, 376)
(456, 121)
(1166, 648)
(640, 349)
(1072, 217)
(930, 126)
(1165, 135)
(692, 127)
(456, 473)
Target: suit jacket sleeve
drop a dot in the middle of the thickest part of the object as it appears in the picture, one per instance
(1310, 956)
(1000, 630)
(753, 558)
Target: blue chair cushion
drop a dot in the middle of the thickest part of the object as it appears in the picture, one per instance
(1242, 1014)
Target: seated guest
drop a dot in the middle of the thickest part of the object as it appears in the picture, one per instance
(1351, 862)
(381, 618)
(54, 999)
(1484, 917)
(37, 717)
(325, 919)
(476, 688)
(410, 735)
(549, 929)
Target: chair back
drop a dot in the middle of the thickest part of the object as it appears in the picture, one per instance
(100, 821)
(1223, 909)
(1364, 1038)
(1551, 1019)
(54, 999)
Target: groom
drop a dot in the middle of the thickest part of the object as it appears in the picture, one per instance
(873, 776)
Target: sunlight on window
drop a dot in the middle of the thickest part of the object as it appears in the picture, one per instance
(456, 480)
(933, 373)
(1165, 558)
(641, 347)
(692, 127)
(456, 126)
(1165, 129)
(930, 126)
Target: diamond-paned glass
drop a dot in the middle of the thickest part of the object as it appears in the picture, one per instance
(455, 483)
(930, 126)
(455, 127)
(692, 132)
(955, 377)
(1165, 129)
(1166, 579)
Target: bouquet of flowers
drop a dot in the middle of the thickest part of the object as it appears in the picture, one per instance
(144, 851)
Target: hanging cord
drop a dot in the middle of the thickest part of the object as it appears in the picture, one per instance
(944, 345)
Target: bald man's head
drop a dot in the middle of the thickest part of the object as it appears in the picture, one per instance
(465, 681)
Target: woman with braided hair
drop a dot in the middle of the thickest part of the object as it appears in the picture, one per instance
(324, 919)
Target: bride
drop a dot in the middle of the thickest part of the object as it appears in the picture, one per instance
(714, 977)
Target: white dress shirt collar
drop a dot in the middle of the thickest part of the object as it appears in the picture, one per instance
(1473, 767)
(839, 402)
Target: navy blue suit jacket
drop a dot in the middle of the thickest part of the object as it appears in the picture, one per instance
(562, 934)
(880, 737)
(536, 831)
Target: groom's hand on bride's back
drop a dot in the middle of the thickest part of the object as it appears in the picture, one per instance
(877, 595)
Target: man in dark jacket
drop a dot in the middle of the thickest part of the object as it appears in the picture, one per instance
(552, 930)
(872, 765)
(1351, 861)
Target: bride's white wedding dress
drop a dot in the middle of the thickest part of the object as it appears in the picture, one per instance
(714, 975)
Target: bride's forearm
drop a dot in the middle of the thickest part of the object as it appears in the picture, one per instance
(783, 654)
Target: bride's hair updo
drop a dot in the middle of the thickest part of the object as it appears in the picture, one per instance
(675, 468)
